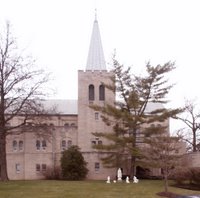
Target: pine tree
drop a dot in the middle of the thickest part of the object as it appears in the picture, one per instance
(131, 112)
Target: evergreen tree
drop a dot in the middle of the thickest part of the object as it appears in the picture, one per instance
(131, 112)
(73, 165)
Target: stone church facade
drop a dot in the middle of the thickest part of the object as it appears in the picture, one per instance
(30, 156)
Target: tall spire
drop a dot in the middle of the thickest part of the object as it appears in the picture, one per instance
(95, 60)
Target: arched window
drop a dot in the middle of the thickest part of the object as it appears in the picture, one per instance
(91, 92)
(20, 145)
(63, 145)
(101, 92)
(69, 143)
(73, 126)
(44, 144)
(14, 145)
(66, 126)
(152, 125)
(52, 127)
(38, 144)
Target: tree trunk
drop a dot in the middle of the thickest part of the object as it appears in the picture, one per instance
(3, 161)
(132, 167)
(194, 141)
(166, 182)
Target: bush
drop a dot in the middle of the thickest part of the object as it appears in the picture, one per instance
(73, 165)
(185, 175)
(180, 176)
(52, 173)
(195, 175)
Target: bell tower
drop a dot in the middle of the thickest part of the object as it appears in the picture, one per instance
(92, 91)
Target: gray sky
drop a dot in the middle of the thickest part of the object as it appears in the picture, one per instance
(57, 33)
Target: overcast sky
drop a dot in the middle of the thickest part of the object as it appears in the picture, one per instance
(57, 33)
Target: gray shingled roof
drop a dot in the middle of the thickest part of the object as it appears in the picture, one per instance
(70, 107)
(153, 106)
(62, 106)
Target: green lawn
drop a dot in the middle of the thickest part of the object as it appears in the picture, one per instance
(84, 189)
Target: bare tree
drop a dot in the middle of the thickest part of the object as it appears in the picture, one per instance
(164, 152)
(191, 118)
(21, 91)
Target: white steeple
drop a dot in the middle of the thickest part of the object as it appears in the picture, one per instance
(95, 60)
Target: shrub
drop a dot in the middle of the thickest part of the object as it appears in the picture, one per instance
(180, 175)
(195, 175)
(73, 165)
(185, 175)
(52, 173)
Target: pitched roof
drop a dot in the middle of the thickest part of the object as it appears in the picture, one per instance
(66, 107)
(70, 107)
(95, 60)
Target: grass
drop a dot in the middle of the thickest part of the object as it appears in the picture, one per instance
(84, 189)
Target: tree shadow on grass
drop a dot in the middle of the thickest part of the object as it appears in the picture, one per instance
(168, 194)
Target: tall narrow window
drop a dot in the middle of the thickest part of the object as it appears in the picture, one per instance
(44, 167)
(97, 166)
(38, 144)
(101, 92)
(96, 115)
(91, 92)
(14, 145)
(66, 126)
(69, 142)
(21, 145)
(17, 168)
(37, 167)
(63, 145)
(44, 144)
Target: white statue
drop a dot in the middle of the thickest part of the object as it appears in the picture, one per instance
(127, 180)
(119, 174)
(135, 180)
(108, 180)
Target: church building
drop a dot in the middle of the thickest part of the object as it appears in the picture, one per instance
(30, 156)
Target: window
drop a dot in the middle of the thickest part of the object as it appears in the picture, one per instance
(96, 141)
(152, 125)
(21, 145)
(100, 142)
(73, 125)
(14, 145)
(176, 151)
(63, 145)
(101, 92)
(44, 144)
(66, 126)
(91, 92)
(17, 168)
(159, 125)
(69, 143)
(38, 144)
(37, 167)
(44, 167)
(96, 115)
(52, 126)
(97, 166)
